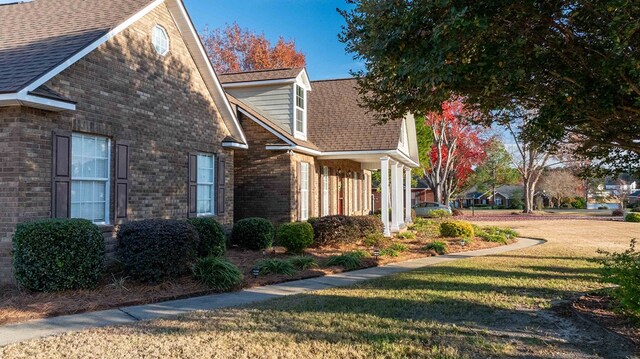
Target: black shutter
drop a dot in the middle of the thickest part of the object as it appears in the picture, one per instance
(192, 186)
(122, 180)
(61, 175)
(220, 184)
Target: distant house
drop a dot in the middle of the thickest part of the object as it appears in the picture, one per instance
(312, 149)
(504, 196)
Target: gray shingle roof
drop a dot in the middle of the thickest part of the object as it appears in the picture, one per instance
(261, 75)
(37, 36)
(336, 122)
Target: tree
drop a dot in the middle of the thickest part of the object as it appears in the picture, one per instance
(576, 62)
(529, 158)
(457, 147)
(234, 49)
(496, 170)
(559, 184)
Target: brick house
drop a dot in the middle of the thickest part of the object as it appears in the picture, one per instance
(110, 111)
(312, 149)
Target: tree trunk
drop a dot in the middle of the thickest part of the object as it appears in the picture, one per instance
(529, 190)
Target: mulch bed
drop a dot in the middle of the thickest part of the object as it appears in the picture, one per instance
(114, 291)
(532, 217)
(600, 308)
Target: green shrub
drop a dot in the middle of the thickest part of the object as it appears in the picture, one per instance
(456, 229)
(496, 234)
(406, 235)
(366, 225)
(348, 261)
(253, 233)
(438, 213)
(438, 247)
(330, 230)
(152, 250)
(394, 250)
(632, 217)
(213, 241)
(303, 262)
(276, 266)
(579, 203)
(375, 240)
(217, 273)
(636, 209)
(426, 227)
(58, 254)
(295, 237)
(623, 269)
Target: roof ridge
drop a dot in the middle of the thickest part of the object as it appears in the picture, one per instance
(335, 79)
(264, 70)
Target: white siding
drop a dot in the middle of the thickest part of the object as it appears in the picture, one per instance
(276, 101)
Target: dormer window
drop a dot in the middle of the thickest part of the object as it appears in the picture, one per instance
(300, 111)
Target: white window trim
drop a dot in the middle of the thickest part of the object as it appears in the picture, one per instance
(304, 192)
(296, 131)
(107, 192)
(325, 191)
(212, 184)
(153, 39)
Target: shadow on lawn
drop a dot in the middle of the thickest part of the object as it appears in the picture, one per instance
(423, 309)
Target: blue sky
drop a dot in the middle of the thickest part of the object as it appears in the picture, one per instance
(313, 24)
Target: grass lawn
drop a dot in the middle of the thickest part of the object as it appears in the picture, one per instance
(500, 306)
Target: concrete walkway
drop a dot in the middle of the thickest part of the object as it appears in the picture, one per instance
(38, 328)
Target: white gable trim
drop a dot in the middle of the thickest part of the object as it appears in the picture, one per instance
(258, 83)
(191, 38)
(84, 52)
(21, 99)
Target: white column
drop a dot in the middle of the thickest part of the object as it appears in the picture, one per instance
(395, 195)
(400, 199)
(384, 196)
(407, 194)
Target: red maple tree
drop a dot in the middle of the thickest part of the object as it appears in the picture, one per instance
(457, 148)
(234, 49)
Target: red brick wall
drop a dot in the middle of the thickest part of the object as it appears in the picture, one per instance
(124, 91)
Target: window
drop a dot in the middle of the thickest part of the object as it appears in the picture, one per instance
(160, 40)
(304, 191)
(325, 191)
(498, 201)
(90, 158)
(300, 113)
(365, 192)
(355, 192)
(205, 184)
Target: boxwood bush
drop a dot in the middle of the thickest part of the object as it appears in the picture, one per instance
(456, 229)
(632, 217)
(366, 225)
(213, 241)
(295, 237)
(152, 250)
(58, 254)
(253, 233)
(217, 273)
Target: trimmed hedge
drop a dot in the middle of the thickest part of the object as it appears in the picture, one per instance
(58, 254)
(456, 229)
(617, 212)
(152, 250)
(253, 233)
(330, 230)
(213, 241)
(632, 217)
(295, 237)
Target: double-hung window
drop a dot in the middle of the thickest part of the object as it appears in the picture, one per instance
(90, 158)
(325, 191)
(300, 111)
(365, 194)
(304, 191)
(206, 170)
